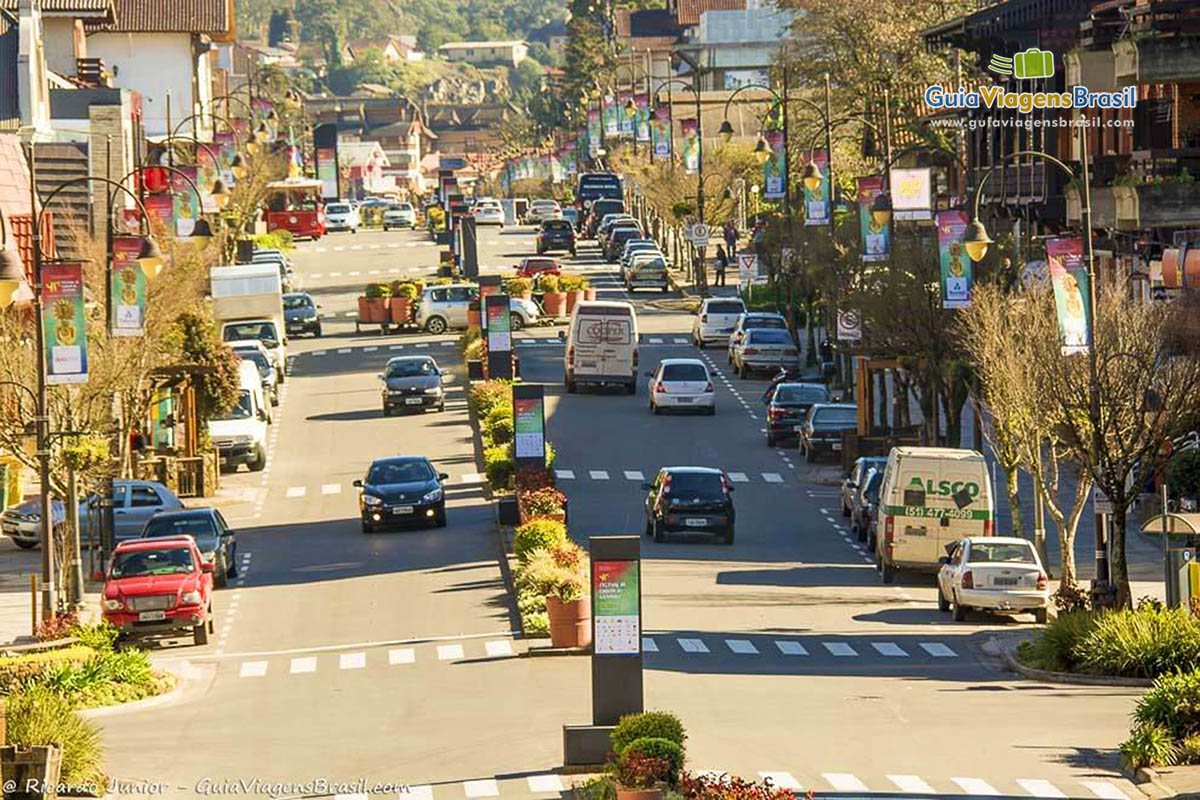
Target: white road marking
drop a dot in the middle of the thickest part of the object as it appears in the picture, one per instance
(782, 780)
(791, 648)
(772, 477)
(297, 491)
(975, 786)
(564, 474)
(545, 784)
(352, 660)
(422, 344)
(598, 475)
(303, 665)
(844, 782)
(938, 650)
(1105, 790)
(680, 340)
(472, 478)
(839, 649)
(495, 649)
(253, 669)
(655, 340)
(743, 647)
(484, 788)
(634, 475)
(343, 350)
(1040, 788)
(423, 792)
(317, 353)
(354, 273)
(449, 652)
(335, 274)
(649, 645)
(402, 655)
(911, 784)
(331, 488)
(370, 349)
(395, 347)
(692, 645)
(739, 477)
(889, 649)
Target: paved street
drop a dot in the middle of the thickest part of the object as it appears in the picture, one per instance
(394, 657)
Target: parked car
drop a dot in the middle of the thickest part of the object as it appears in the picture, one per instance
(266, 370)
(822, 428)
(542, 210)
(788, 406)
(682, 384)
(858, 474)
(608, 220)
(647, 270)
(792, 374)
(442, 308)
(22, 522)
(617, 237)
(556, 234)
(341, 217)
(571, 215)
(862, 513)
(399, 215)
(634, 246)
(994, 573)
(412, 382)
(751, 320)
(693, 499)
(488, 212)
(401, 489)
(530, 267)
(159, 587)
(287, 274)
(597, 211)
(214, 538)
(301, 314)
(764, 349)
(715, 320)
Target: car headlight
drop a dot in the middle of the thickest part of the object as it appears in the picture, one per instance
(114, 604)
(434, 390)
(372, 500)
(241, 438)
(190, 598)
(432, 497)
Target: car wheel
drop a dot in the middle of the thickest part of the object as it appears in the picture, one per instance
(1041, 616)
(442, 406)
(439, 519)
(570, 384)
(260, 460)
(809, 455)
(889, 572)
(770, 438)
(656, 532)
(728, 537)
(220, 573)
(742, 372)
(387, 410)
(666, 288)
(317, 332)
(200, 634)
(960, 611)
(233, 570)
(845, 509)
(654, 408)
(649, 531)
(435, 325)
(368, 527)
(631, 387)
(517, 322)
(25, 544)
(711, 411)
(943, 603)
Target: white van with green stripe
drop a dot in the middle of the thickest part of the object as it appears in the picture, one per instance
(930, 497)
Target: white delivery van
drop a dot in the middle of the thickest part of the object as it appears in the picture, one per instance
(240, 435)
(930, 497)
(248, 305)
(602, 345)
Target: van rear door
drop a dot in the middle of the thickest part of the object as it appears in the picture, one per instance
(943, 500)
(604, 342)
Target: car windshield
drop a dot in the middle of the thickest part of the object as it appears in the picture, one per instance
(399, 472)
(835, 416)
(540, 263)
(411, 368)
(256, 358)
(787, 395)
(403, 207)
(337, 208)
(1011, 553)
(251, 331)
(871, 492)
(696, 484)
(292, 301)
(200, 528)
(725, 308)
(764, 322)
(621, 234)
(167, 561)
(556, 225)
(650, 265)
(684, 372)
(768, 336)
(241, 409)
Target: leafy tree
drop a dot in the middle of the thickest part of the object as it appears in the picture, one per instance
(369, 67)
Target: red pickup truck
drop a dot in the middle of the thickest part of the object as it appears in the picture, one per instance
(159, 587)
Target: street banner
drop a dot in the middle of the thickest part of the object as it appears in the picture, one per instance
(161, 210)
(499, 335)
(488, 285)
(529, 425)
(642, 101)
(327, 172)
(775, 167)
(849, 326)
(876, 237)
(226, 146)
(1068, 275)
(187, 204)
(128, 287)
(593, 130)
(615, 608)
(626, 120)
(260, 109)
(207, 172)
(660, 132)
(911, 193)
(816, 203)
(956, 268)
(691, 145)
(64, 323)
(612, 125)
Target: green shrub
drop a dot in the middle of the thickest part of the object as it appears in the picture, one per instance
(1149, 746)
(536, 624)
(474, 350)
(647, 724)
(1188, 750)
(570, 283)
(530, 602)
(550, 284)
(486, 395)
(518, 287)
(498, 466)
(100, 636)
(1183, 474)
(405, 289)
(597, 787)
(37, 716)
(1054, 647)
(31, 668)
(1173, 702)
(555, 572)
(1144, 643)
(655, 747)
(378, 290)
(500, 411)
(551, 455)
(538, 534)
(501, 431)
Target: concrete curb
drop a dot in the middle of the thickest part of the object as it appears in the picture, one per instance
(549, 650)
(1010, 658)
(1148, 782)
(189, 679)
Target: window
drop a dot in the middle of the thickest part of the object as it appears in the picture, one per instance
(411, 368)
(438, 295)
(725, 307)
(801, 394)
(459, 294)
(767, 336)
(171, 561)
(144, 496)
(835, 416)
(1005, 553)
(201, 528)
(399, 472)
(684, 372)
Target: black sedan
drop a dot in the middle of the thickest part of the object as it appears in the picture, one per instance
(412, 383)
(692, 499)
(301, 314)
(866, 504)
(822, 429)
(788, 406)
(401, 489)
(214, 538)
(556, 234)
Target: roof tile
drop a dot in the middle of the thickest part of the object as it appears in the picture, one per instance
(171, 16)
(688, 12)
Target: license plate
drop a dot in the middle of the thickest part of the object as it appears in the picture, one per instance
(150, 616)
(402, 510)
(10, 528)
(412, 401)
(684, 399)
(837, 445)
(1006, 581)
(695, 522)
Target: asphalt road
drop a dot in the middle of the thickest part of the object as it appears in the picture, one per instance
(392, 657)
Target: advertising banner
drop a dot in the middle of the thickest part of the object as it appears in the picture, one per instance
(64, 323)
(616, 611)
(660, 132)
(128, 287)
(499, 334)
(327, 172)
(642, 101)
(593, 130)
(1068, 275)
(911, 193)
(816, 202)
(775, 167)
(876, 237)
(691, 145)
(226, 147)
(956, 267)
(529, 437)
(626, 124)
(207, 172)
(161, 208)
(612, 125)
(186, 203)
(260, 109)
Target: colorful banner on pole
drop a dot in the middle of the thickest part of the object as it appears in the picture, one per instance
(529, 439)
(956, 267)
(612, 126)
(207, 173)
(691, 145)
(226, 147)
(775, 167)
(327, 172)
(499, 334)
(128, 287)
(642, 102)
(64, 323)
(816, 202)
(615, 608)
(593, 130)
(876, 236)
(1068, 275)
(187, 204)
(624, 99)
(161, 209)
(660, 132)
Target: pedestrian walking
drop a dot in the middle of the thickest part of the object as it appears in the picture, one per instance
(731, 236)
(722, 264)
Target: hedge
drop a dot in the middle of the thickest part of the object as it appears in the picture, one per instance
(537, 534)
(646, 724)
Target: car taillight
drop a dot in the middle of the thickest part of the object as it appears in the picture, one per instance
(889, 530)
(771, 412)
(1041, 584)
(571, 354)
(708, 387)
(704, 317)
(968, 580)
(750, 351)
(635, 356)
(660, 388)
(987, 527)
(790, 352)
(666, 484)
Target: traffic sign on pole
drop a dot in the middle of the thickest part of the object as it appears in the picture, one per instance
(697, 233)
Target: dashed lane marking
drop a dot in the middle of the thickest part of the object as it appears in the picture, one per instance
(253, 669)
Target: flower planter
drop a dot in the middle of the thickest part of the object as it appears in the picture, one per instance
(570, 623)
(555, 304)
(373, 309)
(639, 794)
(589, 294)
(574, 297)
(474, 318)
(401, 309)
(507, 511)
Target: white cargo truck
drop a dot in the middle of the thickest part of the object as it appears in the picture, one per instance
(248, 305)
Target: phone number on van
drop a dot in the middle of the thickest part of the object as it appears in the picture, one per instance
(938, 513)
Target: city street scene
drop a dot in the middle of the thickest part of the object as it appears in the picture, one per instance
(600, 399)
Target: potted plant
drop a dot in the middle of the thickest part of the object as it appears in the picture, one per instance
(589, 292)
(561, 576)
(373, 305)
(519, 287)
(402, 301)
(572, 286)
(554, 299)
(545, 502)
(640, 776)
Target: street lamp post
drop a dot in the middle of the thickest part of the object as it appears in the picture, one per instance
(694, 88)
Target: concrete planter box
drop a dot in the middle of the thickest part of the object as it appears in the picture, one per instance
(555, 304)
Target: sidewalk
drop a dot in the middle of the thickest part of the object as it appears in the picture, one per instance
(16, 599)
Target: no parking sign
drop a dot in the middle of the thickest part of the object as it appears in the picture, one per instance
(849, 326)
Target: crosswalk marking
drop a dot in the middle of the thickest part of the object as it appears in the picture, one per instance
(331, 488)
(370, 349)
(253, 669)
(297, 491)
(655, 340)
(791, 648)
(742, 646)
(302, 665)
(938, 650)
(343, 349)
(449, 652)
(564, 474)
(911, 784)
(1040, 788)
(975, 786)
(634, 475)
(889, 649)
(598, 474)
(781, 780)
(545, 784)
(738, 477)
(402, 655)
(482, 788)
(1105, 790)
(649, 645)
(501, 647)
(472, 477)
(317, 353)
(681, 340)
(839, 649)
(772, 477)
(693, 645)
(844, 782)
(423, 792)
(352, 660)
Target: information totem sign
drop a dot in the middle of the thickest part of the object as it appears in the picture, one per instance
(529, 425)
(616, 627)
(469, 252)
(499, 335)
(488, 286)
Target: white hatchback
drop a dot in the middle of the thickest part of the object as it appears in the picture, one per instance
(684, 384)
(488, 212)
(993, 573)
(341, 217)
(715, 320)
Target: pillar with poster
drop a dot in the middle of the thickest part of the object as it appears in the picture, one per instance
(499, 336)
(529, 425)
